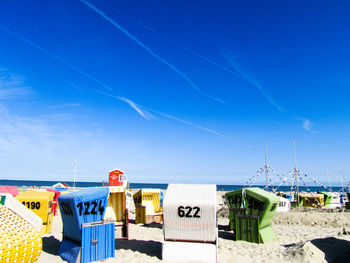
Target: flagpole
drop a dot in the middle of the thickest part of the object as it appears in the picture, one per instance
(75, 173)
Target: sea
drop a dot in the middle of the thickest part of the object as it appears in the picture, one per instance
(219, 187)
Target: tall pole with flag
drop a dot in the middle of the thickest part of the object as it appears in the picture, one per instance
(269, 171)
(75, 164)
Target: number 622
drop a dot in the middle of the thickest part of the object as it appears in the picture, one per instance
(187, 211)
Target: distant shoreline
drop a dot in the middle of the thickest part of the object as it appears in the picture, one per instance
(78, 184)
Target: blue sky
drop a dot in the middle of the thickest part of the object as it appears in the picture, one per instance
(174, 91)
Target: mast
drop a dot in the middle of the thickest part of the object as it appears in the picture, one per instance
(266, 169)
(295, 169)
(342, 181)
(329, 181)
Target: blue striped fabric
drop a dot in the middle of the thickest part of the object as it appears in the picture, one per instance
(84, 206)
(98, 242)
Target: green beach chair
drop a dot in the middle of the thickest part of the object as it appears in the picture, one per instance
(251, 214)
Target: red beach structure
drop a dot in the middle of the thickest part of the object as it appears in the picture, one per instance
(116, 178)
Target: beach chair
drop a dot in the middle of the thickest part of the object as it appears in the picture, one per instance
(9, 189)
(331, 200)
(190, 230)
(15, 206)
(39, 202)
(20, 241)
(284, 205)
(313, 200)
(86, 236)
(252, 215)
(347, 204)
(147, 206)
(117, 210)
(297, 200)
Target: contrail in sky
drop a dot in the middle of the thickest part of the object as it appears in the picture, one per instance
(238, 72)
(254, 82)
(187, 122)
(180, 45)
(137, 107)
(149, 50)
(56, 57)
(70, 84)
(133, 105)
(143, 111)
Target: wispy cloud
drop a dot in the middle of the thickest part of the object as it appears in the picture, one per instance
(12, 86)
(18, 134)
(150, 51)
(37, 148)
(133, 105)
(307, 125)
(252, 81)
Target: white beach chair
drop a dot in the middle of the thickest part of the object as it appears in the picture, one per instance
(284, 205)
(190, 225)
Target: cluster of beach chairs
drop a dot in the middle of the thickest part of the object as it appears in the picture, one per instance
(95, 218)
(323, 200)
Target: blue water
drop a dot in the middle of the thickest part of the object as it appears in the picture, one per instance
(148, 185)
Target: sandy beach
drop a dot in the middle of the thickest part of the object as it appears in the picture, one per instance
(302, 235)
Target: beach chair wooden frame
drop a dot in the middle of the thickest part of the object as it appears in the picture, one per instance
(233, 212)
(122, 229)
(247, 228)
